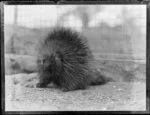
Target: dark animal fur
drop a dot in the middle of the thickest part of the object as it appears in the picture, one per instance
(66, 60)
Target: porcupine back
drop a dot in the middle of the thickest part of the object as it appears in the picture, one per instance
(69, 61)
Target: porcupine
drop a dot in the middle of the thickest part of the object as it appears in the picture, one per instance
(66, 60)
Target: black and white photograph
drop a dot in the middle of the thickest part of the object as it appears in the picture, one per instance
(75, 57)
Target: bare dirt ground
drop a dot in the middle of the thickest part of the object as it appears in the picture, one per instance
(120, 96)
(126, 93)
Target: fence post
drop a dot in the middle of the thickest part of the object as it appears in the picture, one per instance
(16, 15)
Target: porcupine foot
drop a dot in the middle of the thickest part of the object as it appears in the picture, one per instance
(41, 85)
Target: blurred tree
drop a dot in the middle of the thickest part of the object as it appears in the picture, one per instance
(128, 26)
(83, 12)
(11, 45)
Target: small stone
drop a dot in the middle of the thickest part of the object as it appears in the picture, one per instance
(114, 86)
(119, 89)
(17, 99)
(103, 108)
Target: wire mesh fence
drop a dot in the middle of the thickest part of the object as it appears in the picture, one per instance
(113, 31)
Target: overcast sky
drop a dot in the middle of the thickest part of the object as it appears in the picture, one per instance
(42, 15)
